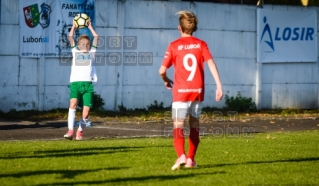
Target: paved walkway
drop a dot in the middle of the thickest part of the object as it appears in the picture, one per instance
(54, 130)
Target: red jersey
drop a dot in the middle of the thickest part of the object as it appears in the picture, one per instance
(187, 54)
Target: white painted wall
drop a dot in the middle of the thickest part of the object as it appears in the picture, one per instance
(230, 31)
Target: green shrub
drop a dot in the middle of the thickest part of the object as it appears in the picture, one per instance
(240, 103)
(98, 102)
(152, 107)
(156, 106)
(122, 108)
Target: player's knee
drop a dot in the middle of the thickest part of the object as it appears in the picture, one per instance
(193, 122)
(73, 103)
(72, 106)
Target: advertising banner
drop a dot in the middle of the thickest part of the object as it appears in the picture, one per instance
(286, 36)
(45, 25)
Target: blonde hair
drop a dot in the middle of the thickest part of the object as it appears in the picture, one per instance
(84, 36)
(188, 21)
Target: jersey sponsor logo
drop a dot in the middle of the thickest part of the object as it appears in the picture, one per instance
(83, 57)
(188, 47)
(199, 90)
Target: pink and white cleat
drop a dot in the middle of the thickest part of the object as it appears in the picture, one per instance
(190, 163)
(69, 135)
(79, 135)
(181, 161)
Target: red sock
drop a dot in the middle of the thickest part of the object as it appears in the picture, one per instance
(179, 141)
(193, 140)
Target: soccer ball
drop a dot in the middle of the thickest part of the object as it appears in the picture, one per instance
(81, 20)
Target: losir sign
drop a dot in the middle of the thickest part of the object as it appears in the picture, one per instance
(286, 36)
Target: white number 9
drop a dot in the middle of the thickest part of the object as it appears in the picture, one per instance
(191, 68)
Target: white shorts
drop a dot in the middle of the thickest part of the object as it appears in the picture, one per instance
(180, 110)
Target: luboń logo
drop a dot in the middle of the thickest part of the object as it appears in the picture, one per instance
(286, 34)
(33, 17)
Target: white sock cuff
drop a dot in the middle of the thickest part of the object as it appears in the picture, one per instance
(72, 110)
(86, 120)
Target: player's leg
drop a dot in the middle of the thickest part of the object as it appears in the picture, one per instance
(83, 122)
(193, 139)
(74, 94)
(85, 113)
(179, 114)
(87, 98)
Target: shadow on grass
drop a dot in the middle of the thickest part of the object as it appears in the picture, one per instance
(122, 180)
(70, 174)
(70, 152)
(260, 162)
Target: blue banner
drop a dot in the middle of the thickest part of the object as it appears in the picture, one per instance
(286, 36)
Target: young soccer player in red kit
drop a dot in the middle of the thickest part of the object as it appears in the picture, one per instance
(188, 55)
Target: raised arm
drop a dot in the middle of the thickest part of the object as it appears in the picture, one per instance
(71, 38)
(95, 36)
(213, 69)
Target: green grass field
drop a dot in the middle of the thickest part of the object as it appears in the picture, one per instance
(262, 159)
